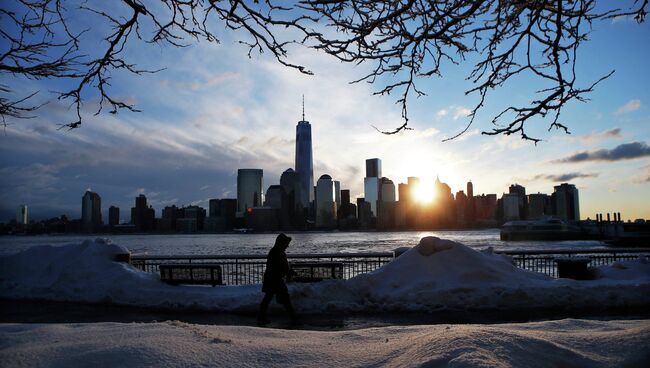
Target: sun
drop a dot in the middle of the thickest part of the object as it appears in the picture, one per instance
(424, 193)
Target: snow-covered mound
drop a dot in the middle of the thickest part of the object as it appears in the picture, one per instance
(87, 272)
(564, 343)
(436, 274)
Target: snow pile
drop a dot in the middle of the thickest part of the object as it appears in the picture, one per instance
(440, 274)
(637, 270)
(437, 274)
(563, 343)
(87, 272)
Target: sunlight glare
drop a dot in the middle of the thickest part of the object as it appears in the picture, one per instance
(424, 193)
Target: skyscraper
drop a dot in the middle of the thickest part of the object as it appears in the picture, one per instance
(142, 217)
(91, 212)
(326, 204)
(304, 161)
(249, 188)
(113, 216)
(566, 203)
(337, 193)
(21, 215)
(371, 183)
(373, 168)
(470, 189)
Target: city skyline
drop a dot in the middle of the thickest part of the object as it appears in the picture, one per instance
(216, 111)
(425, 192)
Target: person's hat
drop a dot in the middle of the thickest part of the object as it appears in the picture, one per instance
(283, 238)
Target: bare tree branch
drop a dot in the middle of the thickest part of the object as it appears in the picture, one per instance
(402, 42)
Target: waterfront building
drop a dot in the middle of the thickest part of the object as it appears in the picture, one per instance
(520, 191)
(91, 212)
(371, 184)
(170, 215)
(387, 190)
(21, 215)
(249, 189)
(364, 213)
(347, 210)
(539, 205)
(510, 202)
(221, 215)
(142, 217)
(371, 193)
(486, 208)
(304, 161)
(386, 204)
(113, 216)
(470, 190)
(325, 202)
(470, 205)
(274, 195)
(461, 208)
(193, 219)
(261, 219)
(337, 193)
(292, 210)
(413, 186)
(566, 204)
(403, 194)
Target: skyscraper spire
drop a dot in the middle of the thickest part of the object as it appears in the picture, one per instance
(303, 107)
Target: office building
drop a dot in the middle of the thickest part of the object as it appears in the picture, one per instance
(520, 191)
(470, 190)
(170, 215)
(386, 204)
(221, 215)
(274, 196)
(539, 205)
(249, 189)
(21, 215)
(373, 168)
(510, 202)
(566, 204)
(304, 161)
(337, 193)
(113, 216)
(325, 202)
(371, 193)
(91, 212)
(142, 217)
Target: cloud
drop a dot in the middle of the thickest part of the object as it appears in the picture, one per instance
(565, 177)
(632, 105)
(456, 112)
(461, 112)
(600, 136)
(625, 151)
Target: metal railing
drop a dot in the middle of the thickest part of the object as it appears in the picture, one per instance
(249, 269)
(543, 261)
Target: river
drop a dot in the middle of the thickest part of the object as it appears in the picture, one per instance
(303, 242)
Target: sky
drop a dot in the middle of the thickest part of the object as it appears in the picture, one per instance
(213, 110)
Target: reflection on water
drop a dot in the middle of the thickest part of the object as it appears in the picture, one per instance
(311, 242)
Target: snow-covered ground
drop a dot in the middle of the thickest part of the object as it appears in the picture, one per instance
(563, 343)
(436, 274)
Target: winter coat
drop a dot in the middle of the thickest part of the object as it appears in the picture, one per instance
(277, 268)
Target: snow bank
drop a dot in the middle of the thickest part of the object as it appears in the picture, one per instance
(87, 272)
(563, 343)
(437, 274)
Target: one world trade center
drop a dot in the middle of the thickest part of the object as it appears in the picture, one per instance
(304, 161)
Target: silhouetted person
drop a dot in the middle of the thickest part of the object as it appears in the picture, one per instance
(277, 268)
